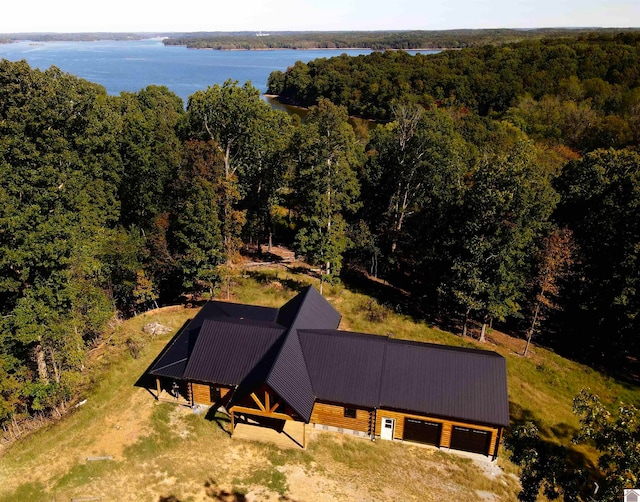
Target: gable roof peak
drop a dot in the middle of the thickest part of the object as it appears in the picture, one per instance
(308, 309)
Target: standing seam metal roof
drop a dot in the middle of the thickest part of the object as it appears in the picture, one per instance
(343, 366)
(300, 354)
(445, 381)
(289, 376)
(221, 341)
(173, 361)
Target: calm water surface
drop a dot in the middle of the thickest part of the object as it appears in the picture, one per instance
(133, 65)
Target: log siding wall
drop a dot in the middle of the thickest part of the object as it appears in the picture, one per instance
(447, 427)
(201, 393)
(333, 415)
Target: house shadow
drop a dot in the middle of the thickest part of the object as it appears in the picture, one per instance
(279, 432)
(274, 424)
(221, 419)
(147, 381)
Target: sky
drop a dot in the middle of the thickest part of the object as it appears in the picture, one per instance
(70, 16)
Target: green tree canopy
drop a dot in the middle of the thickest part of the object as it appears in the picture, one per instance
(326, 155)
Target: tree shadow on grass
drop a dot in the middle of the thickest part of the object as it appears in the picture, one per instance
(562, 431)
(568, 466)
(399, 300)
(265, 277)
(213, 491)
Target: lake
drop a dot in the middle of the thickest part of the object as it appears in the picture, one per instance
(133, 65)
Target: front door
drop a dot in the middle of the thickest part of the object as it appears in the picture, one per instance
(388, 426)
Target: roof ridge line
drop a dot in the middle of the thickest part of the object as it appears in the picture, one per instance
(170, 364)
(306, 367)
(384, 362)
(304, 294)
(286, 336)
(441, 346)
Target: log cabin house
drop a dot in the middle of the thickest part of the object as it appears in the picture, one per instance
(293, 363)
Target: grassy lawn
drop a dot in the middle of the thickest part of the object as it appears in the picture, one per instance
(163, 452)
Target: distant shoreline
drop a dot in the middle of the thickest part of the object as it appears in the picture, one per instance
(232, 49)
(440, 49)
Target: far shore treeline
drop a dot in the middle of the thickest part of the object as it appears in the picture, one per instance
(375, 40)
(501, 186)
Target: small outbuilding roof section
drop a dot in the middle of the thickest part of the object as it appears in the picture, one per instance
(344, 367)
(445, 381)
(227, 350)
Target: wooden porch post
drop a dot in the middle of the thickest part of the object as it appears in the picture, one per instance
(304, 436)
(498, 439)
(232, 425)
(158, 388)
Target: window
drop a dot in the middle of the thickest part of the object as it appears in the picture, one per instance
(350, 413)
(214, 394)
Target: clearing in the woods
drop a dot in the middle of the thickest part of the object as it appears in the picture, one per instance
(123, 445)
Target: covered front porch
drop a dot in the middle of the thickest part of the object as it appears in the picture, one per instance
(172, 391)
(288, 434)
(264, 416)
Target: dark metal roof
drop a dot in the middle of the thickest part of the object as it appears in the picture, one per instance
(300, 354)
(344, 367)
(215, 309)
(309, 310)
(173, 360)
(227, 350)
(445, 381)
(289, 377)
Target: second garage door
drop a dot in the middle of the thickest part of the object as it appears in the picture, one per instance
(422, 431)
(468, 439)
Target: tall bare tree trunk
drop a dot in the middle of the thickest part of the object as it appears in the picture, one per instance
(531, 329)
(54, 364)
(483, 331)
(43, 373)
(466, 322)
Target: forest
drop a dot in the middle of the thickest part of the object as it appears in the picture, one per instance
(376, 40)
(500, 186)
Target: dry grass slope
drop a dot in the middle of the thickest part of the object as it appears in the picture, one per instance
(162, 452)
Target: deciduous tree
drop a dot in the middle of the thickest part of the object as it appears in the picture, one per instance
(326, 155)
(617, 438)
(554, 260)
